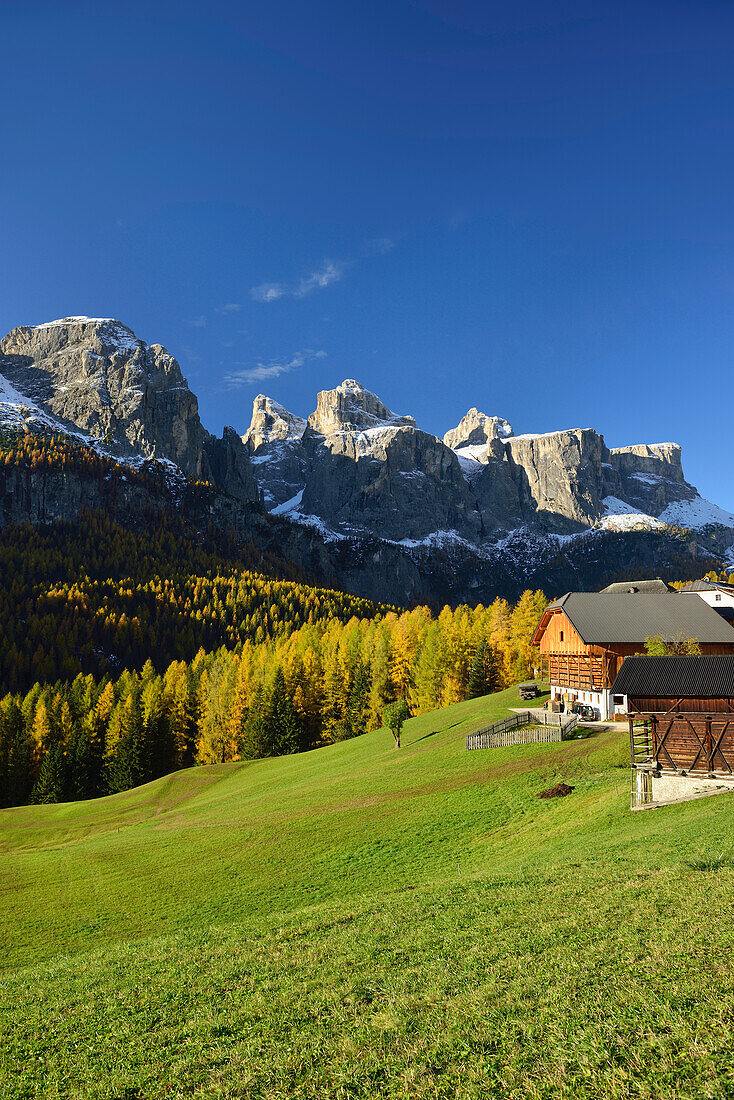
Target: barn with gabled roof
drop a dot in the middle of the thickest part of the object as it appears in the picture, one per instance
(681, 725)
(584, 637)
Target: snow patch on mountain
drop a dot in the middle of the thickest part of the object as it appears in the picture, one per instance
(472, 451)
(19, 411)
(437, 540)
(470, 461)
(620, 516)
(546, 435)
(316, 523)
(64, 321)
(12, 402)
(288, 506)
(696, 514)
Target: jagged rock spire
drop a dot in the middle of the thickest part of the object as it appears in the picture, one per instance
(350, 407)
(476, 428)
(272, 423)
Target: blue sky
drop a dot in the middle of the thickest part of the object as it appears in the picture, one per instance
(523, 207)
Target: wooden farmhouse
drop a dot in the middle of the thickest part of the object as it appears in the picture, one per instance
(681, 723)
(584, 637)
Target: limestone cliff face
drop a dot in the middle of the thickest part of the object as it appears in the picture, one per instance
(95, 375)
(50, 495)
(660, 459)
(398, 482)
(229, 466)
(358, 468)
(278, 451)
(560, 476)
(651, 476)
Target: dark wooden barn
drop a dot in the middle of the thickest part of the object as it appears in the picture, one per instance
(681, 715)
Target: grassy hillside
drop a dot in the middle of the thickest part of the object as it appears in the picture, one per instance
(360, 922)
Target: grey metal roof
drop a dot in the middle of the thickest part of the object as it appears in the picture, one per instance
(612, 618)
(708, 677)
(707, 586)
(654, 585)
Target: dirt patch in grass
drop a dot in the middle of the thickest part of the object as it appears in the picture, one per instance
(559, 791)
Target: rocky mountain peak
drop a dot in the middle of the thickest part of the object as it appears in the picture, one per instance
(476, 429)
(351, 408)
(103, 332)
(272, 423)
(94, 374)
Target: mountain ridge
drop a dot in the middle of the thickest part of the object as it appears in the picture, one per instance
(383, 508)
(513, 478)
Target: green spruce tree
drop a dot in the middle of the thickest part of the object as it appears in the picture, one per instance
(51, 783)
(16, 780)
(283, 729)
(477, 684)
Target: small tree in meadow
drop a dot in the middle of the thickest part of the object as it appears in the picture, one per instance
(393, 716)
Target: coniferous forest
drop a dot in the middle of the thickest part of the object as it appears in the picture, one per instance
(127, 655)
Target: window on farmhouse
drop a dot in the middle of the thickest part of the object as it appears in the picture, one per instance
(561, 635)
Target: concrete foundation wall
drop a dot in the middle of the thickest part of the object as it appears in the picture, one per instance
(649, 789)
(671, 788)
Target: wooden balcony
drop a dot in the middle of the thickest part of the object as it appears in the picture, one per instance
(575, 670)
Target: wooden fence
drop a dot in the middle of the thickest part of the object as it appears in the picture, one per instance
(540, 726)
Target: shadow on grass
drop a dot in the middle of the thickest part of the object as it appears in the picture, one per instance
(716, 863)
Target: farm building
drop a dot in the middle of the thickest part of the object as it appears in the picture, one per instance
(584, 637)
(681, 722)
(716, 594)
(632, 587)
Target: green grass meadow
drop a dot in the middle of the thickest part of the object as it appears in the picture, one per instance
(364, 922)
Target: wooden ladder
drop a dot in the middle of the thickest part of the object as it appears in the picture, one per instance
(640, 745)
(642, 761)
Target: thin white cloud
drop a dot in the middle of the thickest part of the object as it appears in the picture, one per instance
(229, 307)
(268, 292)
(198, 322)
(272, 368)
(329, 272)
